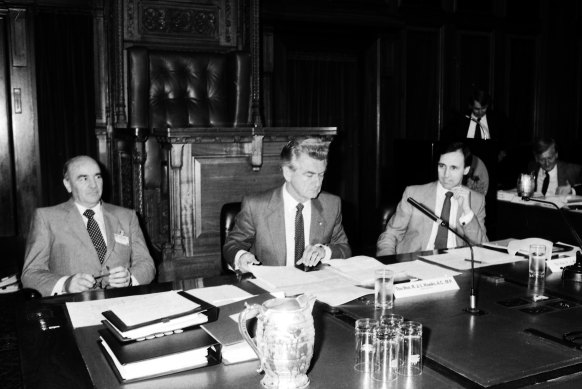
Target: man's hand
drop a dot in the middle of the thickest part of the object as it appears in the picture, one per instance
(79, 282)
(463, 196)
(312, 255)
(119, 277)
(245, 260)
(564, 190)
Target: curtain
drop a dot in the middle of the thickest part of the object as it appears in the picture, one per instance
(65, 95)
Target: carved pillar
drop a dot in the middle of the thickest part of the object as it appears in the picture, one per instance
(176, 155)
(255, 66)
(139, 158)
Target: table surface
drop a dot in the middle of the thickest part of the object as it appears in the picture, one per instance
(516, 343)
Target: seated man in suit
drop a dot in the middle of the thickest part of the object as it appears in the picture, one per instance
(71, 244)
(552, 176)
(410, 230)
(293, 224)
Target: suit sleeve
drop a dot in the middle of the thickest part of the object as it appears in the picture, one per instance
(340, 248)
(396, 227)
(475, 230)
(142, 265)
(35, 273)
(242, 236)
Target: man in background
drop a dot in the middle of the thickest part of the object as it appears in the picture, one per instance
(552, 176)
(294, 224)
(410, 230)
(85, 243)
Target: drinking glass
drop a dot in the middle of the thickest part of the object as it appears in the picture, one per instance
(383, 288)
(537, 261)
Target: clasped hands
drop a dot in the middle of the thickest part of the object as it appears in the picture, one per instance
(312, 255)
(119, 277)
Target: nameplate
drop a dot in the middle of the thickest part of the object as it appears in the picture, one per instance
(416, 288)
(556, 265)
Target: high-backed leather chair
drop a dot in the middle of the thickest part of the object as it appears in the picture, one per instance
(188, 89)
(227, 218)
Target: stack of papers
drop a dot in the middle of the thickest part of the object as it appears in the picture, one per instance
(460, 258)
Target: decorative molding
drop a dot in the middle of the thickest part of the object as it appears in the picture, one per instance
(182, 21)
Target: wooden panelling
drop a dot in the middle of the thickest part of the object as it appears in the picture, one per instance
(8, 220)
(475, 68)
(520, 86)
(423, 67)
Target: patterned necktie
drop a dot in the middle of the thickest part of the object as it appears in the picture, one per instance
(546, 182)
(299, 235)
(441, 239)
(477, 129)
(95, 234)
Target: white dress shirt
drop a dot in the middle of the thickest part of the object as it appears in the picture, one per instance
(553, 185)
(484, 127)
(440, 199)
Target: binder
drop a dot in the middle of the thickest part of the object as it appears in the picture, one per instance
(202, 312)
(138, 360)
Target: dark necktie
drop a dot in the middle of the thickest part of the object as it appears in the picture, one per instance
(299, 235)
(546, 183)
(95, 234)
(477, 129)
(440, 241)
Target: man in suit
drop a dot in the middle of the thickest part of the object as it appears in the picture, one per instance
(294, 224)
(85, 242)
(410, 230)
(552, 176)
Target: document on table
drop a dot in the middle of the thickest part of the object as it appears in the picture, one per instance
(420, 270)
(327, 285)
(88, 313)
(220, 295)
(360, 268)
(460, 258)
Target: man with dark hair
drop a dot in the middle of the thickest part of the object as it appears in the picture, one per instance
(85, 243)
(294, 224)
(552, 176)
(409, 230)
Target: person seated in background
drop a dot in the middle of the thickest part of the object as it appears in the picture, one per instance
(552, 176)
(72, 243)
(478, 177)
(294, 224)
(410, 230)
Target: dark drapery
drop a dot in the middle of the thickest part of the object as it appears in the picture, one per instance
(64, 79)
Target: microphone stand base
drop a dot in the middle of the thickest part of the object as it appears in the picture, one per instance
(474, 311)
(573, 272)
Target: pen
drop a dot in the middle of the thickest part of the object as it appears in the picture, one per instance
(468, 260)
(101, 276)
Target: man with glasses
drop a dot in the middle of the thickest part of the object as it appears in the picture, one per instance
(552, 176)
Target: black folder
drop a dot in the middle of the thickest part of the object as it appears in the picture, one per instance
(165, 355)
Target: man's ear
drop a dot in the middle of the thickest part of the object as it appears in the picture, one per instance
(466, 171)
(287, 172)
(67, 184)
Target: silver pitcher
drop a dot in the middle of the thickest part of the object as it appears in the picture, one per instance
(284, 339)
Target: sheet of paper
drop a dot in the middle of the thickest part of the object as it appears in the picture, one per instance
(460, 259)
(88, 313)
(220, 295)
(281, 277)
(360, 268)
(420, 270)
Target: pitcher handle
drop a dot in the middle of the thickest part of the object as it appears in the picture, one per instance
(250, 312)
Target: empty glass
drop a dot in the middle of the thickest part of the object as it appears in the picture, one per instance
(365, 330)
(387, 345)
(410, 355)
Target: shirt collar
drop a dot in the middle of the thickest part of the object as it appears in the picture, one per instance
(290, 202)
(97, 209)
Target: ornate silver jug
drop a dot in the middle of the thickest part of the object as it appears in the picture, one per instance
(284, 339)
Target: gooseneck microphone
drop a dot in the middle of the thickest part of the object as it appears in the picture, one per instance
(572, 272)
(472, 309)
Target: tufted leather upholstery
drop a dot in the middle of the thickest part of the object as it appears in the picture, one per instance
(227, 217)
(188, 89)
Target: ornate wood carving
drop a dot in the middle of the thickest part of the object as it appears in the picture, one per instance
(192, 23)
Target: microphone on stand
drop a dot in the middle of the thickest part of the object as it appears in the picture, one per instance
(472, 309)
(572, 272)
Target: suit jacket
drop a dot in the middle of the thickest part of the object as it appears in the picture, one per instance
(568, 173)
(409, 230)
(457, 128)
(260, 228)
(59, 245)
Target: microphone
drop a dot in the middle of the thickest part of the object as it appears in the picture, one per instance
(472, 309)
(572, 272)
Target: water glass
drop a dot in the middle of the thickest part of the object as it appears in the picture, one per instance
(410, 355)
(392, 320)
(387, 345)
(365, 332)
(537, 261)
(383, 288)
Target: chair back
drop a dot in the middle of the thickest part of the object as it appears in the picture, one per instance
(227, 218)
